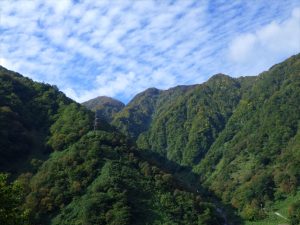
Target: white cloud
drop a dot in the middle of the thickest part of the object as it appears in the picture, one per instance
(59, 7)
(57, 34)
(121, 47)
(255, 51)
(5, 63)
(106, 85)
(241, 47)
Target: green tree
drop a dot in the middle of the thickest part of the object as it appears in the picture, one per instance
(11, 197)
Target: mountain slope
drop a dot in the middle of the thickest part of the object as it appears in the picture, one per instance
(137, 116)
(255, 160)
(184, 131)
(27, 111)
(100, 180)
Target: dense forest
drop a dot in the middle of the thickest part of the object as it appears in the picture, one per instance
(63, 172)
(221, 152)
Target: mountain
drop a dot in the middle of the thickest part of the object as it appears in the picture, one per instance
(182, 122)
(106, 107)
(184, 131)
(240, 135)
(63, 172)
(186, 155)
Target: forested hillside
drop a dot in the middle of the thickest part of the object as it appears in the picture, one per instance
(182, 123)
(27, 112)
(61, 172)
(240, 135)
(137, 116)
(256, 158)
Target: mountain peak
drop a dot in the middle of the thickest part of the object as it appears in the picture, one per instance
(219, 76)
(97, 102)
(105, 106)
(145, 94)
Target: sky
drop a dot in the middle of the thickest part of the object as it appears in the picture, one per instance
(119, 48)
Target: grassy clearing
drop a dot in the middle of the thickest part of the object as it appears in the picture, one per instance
(280, 207)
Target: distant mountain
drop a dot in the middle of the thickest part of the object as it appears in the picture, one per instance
(105, 106)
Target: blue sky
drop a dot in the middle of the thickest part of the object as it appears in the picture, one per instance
(119, 48)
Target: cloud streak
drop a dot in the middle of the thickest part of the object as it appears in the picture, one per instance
(266, 45)
(118, 48)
